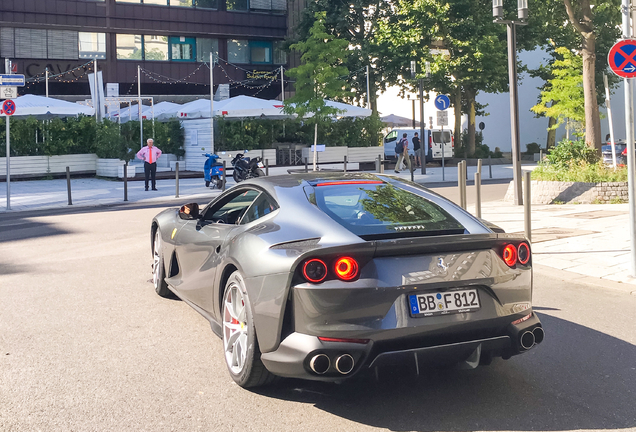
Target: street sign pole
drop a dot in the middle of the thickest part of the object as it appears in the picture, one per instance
(8, 163)
(629, 134)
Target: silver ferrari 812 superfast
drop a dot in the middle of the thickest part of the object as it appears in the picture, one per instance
(322, 275)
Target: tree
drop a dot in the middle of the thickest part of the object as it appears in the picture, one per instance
(357, 22)
(563, 96)
(470, 50)
(319, 77)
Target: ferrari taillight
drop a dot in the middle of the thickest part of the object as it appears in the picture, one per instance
(346, 268)
(315, 270)
(509, 255)
(523, 253)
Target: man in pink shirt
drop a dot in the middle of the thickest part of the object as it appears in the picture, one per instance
(149, 155)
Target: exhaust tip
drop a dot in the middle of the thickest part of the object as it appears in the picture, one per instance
(344, 364)
(527, 340)
(539, 335)
(320, 364)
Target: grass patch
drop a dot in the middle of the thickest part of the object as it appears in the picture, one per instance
(580, 171)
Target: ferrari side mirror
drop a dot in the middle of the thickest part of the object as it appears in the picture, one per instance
(189, 211)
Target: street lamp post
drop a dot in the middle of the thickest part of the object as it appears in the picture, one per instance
(522, 14)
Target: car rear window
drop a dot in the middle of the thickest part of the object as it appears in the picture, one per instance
(380, 210)
(437, 137)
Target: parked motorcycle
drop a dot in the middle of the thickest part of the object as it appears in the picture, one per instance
(246, 168)
(213, 171)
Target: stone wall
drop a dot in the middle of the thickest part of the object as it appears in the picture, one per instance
(549, 192)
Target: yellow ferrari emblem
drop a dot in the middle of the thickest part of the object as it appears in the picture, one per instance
(242, 325)
(174, 232)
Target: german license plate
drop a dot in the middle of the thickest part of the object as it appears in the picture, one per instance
(444, 303)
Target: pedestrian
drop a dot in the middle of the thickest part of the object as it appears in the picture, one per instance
(149, 155)
(416, 149)
(403, 145)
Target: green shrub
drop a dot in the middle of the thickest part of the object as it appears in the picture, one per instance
(580, 172)
(570, 153)
(532, 148)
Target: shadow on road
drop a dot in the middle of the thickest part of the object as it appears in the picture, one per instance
(578, 379)
(22, 228)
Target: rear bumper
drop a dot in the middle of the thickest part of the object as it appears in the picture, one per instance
(294, 356)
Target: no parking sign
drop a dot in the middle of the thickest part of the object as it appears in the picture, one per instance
(8, 107)
(622, 58)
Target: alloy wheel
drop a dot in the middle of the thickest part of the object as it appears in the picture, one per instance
(235, 333)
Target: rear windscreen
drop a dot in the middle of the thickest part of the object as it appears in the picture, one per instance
(437, 137)
(375, 211)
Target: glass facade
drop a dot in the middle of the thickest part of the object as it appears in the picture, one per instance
(129, 47)
(92, 45)
(156, 48)
(205, 47)
(238, 51)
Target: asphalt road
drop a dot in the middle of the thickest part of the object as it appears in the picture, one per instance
(86, 345)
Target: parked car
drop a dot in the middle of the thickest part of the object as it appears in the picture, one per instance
(621, 153)
(322, 275)
(432, 142)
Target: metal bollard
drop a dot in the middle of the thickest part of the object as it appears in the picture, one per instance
(68, 185)
(345, 164)
(306, 167)
(527, 199)
(381, 165)
(126, 181)
(490, 165)
(377, 164)
(423, 161)
(478, 194)
(224, 177)
(267, 167)
(176, 180)
(412, 169)
(479, 167)
(540, 155)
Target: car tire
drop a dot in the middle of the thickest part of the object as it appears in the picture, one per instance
(240, 347)
(158, 268)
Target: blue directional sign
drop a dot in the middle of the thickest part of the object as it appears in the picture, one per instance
(622, 58)
(442, 102)
(12, 80)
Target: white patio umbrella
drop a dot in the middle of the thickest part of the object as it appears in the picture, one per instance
(168, 108)
(349, 110)
(44, 108)
(236, 107)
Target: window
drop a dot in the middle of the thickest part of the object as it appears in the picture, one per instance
(128, 1)
(30, 43)
(205, 47)
(260, 52)
(182, 48)
(378, 210)
(231, 208)
(129, 47)
(92, 45)
(155, 48)
(157, 2)
(238, 51)
(280, 55)
(208, 4)
(392, 136)
(237, 5)
(263, 206)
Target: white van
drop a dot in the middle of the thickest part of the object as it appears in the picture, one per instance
(432, 143)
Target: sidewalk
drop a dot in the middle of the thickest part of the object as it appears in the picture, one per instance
(587, 239)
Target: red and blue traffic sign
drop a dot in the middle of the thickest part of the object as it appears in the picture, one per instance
(622, 58)
(8, 107)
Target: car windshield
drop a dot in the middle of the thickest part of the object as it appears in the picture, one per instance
(376, 210)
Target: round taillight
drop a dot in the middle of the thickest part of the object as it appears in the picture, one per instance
(510, 255)
(315, 270)
(346, 268)
(523, 252)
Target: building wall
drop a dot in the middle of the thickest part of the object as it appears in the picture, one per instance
(111, 17)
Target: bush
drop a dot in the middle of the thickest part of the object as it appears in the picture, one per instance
(580, 172)
(532, 148)
(570, 153)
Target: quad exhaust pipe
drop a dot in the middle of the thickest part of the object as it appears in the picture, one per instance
(320, 364)
(344, 364)
(530, 338)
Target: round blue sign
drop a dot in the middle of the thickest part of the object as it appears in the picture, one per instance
(442, 102)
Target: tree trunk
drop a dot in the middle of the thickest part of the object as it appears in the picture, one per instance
(470, 95)
(592, 117)
(551, 140)
(458, 116)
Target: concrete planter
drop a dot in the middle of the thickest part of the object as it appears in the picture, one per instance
(114, 168)
(34, 166)
(550, 192)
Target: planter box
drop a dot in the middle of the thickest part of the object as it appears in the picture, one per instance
(549, 192)
(31, 166)
(114, 168)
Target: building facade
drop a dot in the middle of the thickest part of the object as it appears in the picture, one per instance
(171, 41)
